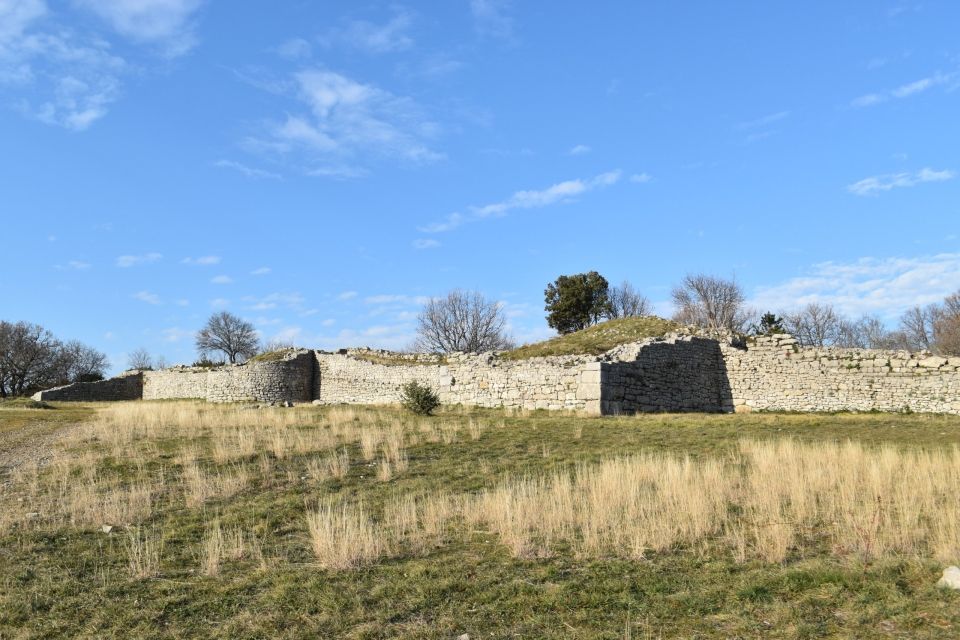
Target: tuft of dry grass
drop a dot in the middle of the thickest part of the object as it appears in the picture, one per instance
(143, 549)
(343, 537)
(338, 463)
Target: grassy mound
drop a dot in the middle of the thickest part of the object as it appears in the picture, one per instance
(23, 403)
(596, 339)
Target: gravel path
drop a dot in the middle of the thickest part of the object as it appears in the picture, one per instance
(31, 442)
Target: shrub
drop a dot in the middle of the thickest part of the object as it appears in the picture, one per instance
(419, 398)
(207, 363)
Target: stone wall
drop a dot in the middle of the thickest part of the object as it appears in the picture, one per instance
(563, 382)
(680, 373)
(127, 386)
(675, 373)
(774, 373)
(290, 379)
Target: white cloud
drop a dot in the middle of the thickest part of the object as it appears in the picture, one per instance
(67, 74)
(79, 265)
(491, 18)
(250, 172)
(396, 299)
(63, 78)
(221, 279)
(949, 80)
(166, 23)
(295, 49)
(219, 302)
(202, 260)
(132, 260)
(528, 199)
(329, 322)
(372, 38)
(883, 286)
(182, 302)
(392, 336)
(146, 296)
(579, 150)
(349, 124)
(176, 334)
(290, 300)
(764, 120)
(347, 295)
(262, 271)
(641, 178)
(425, 243)
(877, 184)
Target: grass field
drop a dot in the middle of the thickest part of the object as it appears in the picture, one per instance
(371, 523)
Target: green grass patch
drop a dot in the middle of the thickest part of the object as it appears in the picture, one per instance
(596, 339)
(62, 581)
(271, 356)
(23, 403)
(396, 360)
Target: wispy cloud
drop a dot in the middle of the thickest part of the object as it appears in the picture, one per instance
(295, 49)
(62, 77)
(641, 178)
(528, 199)
(579, 150)
(347, 295)
(492, 18)
(201, 260)
(67, 73)
(394, 298)
(425, 243)
(764, 121)
(168, 24)
(221, 280)
(79, 265)
(262, 271)
(948, 80)
(146, 296)
(875, 185)
(883, 286)
(348, 125)
(176, 334)
(272, 301)
(250, 172)
(135, 260)
(370, 37)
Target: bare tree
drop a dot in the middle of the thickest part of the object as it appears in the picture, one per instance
(232, 336)
(278, 344)
(710, 302)
(946, 326)
(917, 326)
(627, 302)
(140, 359)
(815, 325)
(82, 363)
(462, 321)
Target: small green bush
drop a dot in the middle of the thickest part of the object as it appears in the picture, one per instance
(419, 398)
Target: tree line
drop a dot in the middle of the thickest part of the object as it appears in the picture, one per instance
(32, 358)
(468, 321)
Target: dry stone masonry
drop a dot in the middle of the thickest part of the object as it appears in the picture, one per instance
(674, 373)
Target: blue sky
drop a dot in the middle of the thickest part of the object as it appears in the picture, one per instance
(322, 168)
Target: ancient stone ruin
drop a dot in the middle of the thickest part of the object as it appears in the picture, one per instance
(677, 372)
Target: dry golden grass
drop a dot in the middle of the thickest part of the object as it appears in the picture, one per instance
(343, 537)
(773, 498)
(143, 553)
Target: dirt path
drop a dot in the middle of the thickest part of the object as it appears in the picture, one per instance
(28, 435)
